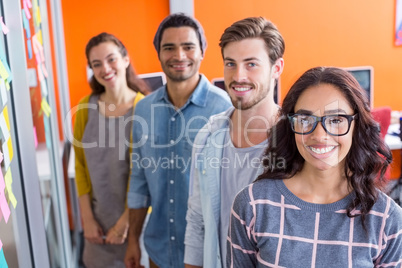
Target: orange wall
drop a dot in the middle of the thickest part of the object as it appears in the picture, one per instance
(134, 22)
(338, 33)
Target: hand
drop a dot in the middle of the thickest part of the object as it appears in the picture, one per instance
(133, 255)
(116, 235)
(93, 232)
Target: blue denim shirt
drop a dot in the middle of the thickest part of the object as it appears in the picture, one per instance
(160, 165)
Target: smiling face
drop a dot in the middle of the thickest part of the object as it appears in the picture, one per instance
(249, 74)
(108, 65)
(319, 149)
(180, 53)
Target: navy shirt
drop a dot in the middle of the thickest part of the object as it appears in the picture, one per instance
(160, 165)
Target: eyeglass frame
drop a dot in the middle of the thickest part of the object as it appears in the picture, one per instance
(321, 119)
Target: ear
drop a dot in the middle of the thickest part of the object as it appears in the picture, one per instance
(277, 68)
(126, 60)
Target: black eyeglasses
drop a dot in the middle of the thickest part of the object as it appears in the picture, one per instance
(335, 125)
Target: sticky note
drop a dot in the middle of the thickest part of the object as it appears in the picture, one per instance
(45, 107)
(5, 112)
(26, 10)
(29, 3)
(8, 86)
(3, 126)
(6, 153)
(39, 37)
(3, 26)
(40, 73)
(1, 243)
(7, 68)
(3, 92)
(10, 150)
(37, 17)
(5, 210)
(3, 71)
(29, 46)
(25, 23)
(8, 179)
(3, 262)
(35, 137)
(43, 87)
(47, 133)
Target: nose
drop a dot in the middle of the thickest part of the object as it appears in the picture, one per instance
(319, 132)
(239, 74)
(106, 67)
(180, 54)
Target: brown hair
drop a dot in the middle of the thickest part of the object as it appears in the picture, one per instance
(255, 27)
(133, 81)
(368, 157)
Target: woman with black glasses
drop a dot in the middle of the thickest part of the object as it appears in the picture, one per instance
(321, 206)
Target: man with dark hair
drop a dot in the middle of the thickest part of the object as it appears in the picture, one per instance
(228, 150)
(164, 128)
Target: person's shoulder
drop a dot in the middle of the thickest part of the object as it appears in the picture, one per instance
(148, 100)
(85, 99)
(386, 203)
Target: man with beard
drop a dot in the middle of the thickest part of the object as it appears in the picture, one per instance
(227, 151)
(164, 128)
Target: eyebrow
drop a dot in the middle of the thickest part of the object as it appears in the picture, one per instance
(181, 44)
(96, 60)
(245, 60)
(334, 111)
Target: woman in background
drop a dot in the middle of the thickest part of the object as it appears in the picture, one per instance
(318, 203)
(102, 134)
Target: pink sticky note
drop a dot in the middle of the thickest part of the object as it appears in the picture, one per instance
(4, 27)
(40, 73)
(29, 3)
(26, 10)
(4, 206)
(35, 138)
(1, 244)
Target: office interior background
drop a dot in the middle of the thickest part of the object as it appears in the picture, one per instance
(44, 74)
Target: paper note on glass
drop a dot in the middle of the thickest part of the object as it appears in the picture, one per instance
(29, 46)
(26, 10)
(3, 92)
(8, 179)
(7, 149)
(3, 26)
(3, 71)
(5, 130)
(45, 107)
(3, 262)
(35, 137)
(5, 210)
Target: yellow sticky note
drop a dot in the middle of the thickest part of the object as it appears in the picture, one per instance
(3, 71)
(3, 126)
(39, 36)
(8, 85)
(5, 112)
(9, 180)
(10, 149)
(45, 107)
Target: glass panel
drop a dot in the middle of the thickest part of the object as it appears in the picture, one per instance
(47, 141)
(14, 246)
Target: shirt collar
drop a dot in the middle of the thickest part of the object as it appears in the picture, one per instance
(198, 97)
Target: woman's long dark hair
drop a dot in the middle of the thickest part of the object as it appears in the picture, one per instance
(368, 157)
(133, 81)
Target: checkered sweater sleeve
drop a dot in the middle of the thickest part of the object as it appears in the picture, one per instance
(271, 227)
